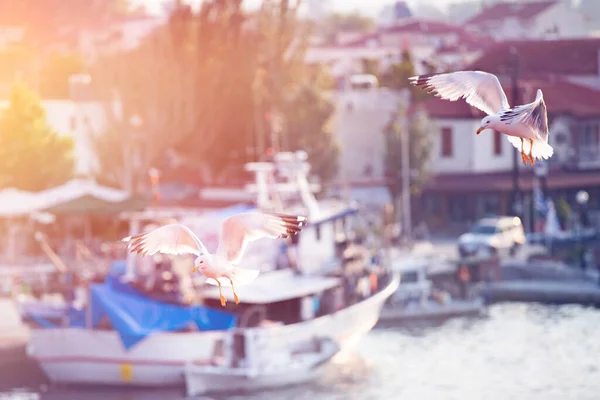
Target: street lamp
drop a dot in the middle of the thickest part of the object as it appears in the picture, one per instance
(582, 197)
(540, 171)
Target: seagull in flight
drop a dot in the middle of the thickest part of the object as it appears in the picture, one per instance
(220, 268)
(526, 126)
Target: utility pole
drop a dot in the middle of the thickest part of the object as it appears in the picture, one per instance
(516, 200)
(405, 143)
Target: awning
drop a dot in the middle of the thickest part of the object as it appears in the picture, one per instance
(77, 195)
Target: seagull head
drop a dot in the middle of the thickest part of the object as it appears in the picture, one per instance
(201, 262)
(486, 123)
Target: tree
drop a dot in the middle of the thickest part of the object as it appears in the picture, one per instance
(203, 85)
(396, 77)
(307, 116)
(32, 156)
(190, 82)
(420, 142)
(370, 66)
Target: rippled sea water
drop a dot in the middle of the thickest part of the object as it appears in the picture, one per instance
(520, 351)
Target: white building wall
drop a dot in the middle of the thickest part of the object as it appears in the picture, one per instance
(358, 123)
(570, 22)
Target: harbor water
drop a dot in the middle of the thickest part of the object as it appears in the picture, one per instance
(519, 351)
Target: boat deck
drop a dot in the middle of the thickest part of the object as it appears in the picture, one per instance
(391, 315)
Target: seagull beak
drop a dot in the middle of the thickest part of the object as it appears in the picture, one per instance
(480, 129)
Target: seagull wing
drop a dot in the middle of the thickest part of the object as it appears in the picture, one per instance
(169, 239)
(535, 116)
(480, 89)
(241, 229)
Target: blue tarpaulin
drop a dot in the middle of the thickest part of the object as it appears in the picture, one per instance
(134, 317)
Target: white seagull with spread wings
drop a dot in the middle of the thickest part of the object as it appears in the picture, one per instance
(483, 91)
(220, 268)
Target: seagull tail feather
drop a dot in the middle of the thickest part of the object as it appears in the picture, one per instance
(542, 150)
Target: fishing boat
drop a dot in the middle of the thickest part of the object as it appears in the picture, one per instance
(124, 336)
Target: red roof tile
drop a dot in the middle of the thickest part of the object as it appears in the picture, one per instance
(501, 11)
(423, 27)
(563, 57)
(561, 97)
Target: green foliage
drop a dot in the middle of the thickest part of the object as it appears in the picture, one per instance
(32, 156)
(370, 66)
(307, 115)
(396, 77)
(420, 142)
(563, 211)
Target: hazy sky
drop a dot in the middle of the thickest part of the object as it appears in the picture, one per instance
(371, 7)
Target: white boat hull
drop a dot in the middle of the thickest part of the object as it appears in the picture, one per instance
(83, 356)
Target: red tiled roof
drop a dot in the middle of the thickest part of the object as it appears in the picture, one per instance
(562, 57)
(501, 11)
(561, 97)
(424, 27)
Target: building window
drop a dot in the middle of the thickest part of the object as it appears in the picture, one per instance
(446, 142)
(589, 141)
(497, 143)
(433, 204)
(458, 208)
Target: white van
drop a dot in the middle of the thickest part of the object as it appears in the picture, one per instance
(496, 235)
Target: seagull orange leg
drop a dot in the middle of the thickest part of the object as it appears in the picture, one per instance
(235, 296)
(523, 156)
(531, 159)
(223, 299)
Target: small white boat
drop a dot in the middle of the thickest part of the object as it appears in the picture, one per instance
(251, 363)
(417, 299)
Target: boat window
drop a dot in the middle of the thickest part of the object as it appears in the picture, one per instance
(409, 277)
(484, 229)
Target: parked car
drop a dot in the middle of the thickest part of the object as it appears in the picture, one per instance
(493, 234)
